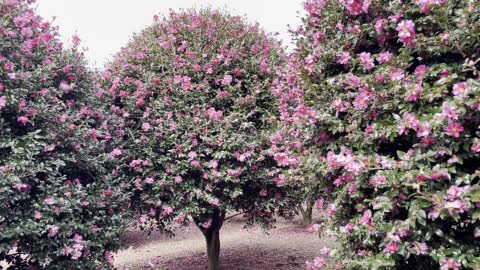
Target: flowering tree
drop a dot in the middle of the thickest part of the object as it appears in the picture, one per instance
(192, 98)
(389, 103)
(57, 209)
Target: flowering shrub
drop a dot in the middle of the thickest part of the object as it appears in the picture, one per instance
(57, 209)
(192, 98)
(384, 97)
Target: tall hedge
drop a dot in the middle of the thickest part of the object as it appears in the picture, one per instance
(391, 93)
(192, 96)
(59, 206)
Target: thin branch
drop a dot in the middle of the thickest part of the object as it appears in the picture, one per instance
(238, 214)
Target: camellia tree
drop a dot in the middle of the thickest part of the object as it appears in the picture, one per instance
(192, 99)
(391, 90)
(59, 208)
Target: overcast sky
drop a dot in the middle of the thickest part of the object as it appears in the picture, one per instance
(106, 25)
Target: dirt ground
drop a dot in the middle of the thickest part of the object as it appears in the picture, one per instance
(286, 247)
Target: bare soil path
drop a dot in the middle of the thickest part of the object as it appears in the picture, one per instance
(286, 247)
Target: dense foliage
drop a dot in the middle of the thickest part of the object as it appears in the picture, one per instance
(192, 98)
(383, 97)
(58, 207)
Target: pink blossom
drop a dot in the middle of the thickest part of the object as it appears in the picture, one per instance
(115, 153)
(356, 7)
(65, 87)
(396, 74)
(476, 146)
(366, 218)
(227, 80)
(166, 210)
(214, 114)
(421, 248)
(53, 231)
(149, 180)
(447, 264)
(146, 126)
(3, 102)
(391, 247)
(22, 120)
(377, 181)
(195, 163)
(282, 159)
(384, 57)
(366, 60)
(281, 180)
(460, 89)
(207, 224)
(49, 200)
(362, 101)
(263, 193)
(449, 112)
(343, 58)
(406, 32)
(76, 40)
(26, 32)
(454, 129)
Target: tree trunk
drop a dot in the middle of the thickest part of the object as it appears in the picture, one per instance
(213, 249)
(307, 217)
(212, 237)
(307, 212)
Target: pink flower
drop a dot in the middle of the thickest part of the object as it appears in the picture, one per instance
(281, 180)
(406, 32)
(166, 210)
(3, 102)
(26, 32)
(263, 193)
(366, 218)
(213, 164)
(476, 146)
(396, 74)
(282, 159)
(366, 60)
(146, 126)
(449, 112)
(343, 58)
(195, 163)
(8, 67)
(377, 181)
(460, 89)
(356, 7)
(448, 264)
(178, 179)
(53, 231)
(385, 57)
(149, 180)
(49, 200)
(214, 114)
(227, 80)
(454, 129)
(76, 40)
(207, 224)
(421, 248)
(391, 248)
(115, 153)
(65, 87)
(362, 101)
(22, 120)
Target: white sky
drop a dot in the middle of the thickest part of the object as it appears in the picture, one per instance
(107, 25)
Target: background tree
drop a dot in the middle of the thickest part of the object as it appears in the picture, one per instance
(57, 209)
(393, 88)
(192, 97)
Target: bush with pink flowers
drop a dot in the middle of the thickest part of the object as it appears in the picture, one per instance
(192, 97)
(384, 98)
(59, 207)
